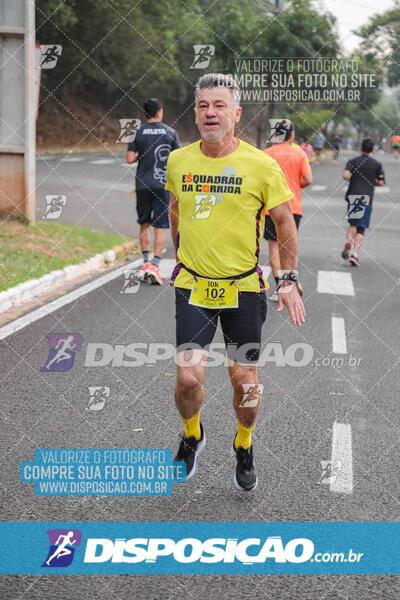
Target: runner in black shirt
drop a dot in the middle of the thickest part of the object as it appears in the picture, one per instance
(336, 143)
(363, 172)
(151, 147)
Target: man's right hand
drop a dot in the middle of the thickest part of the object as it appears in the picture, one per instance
(289, 296)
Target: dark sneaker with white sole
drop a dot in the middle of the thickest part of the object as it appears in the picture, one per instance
(346, 251)
(245, 477)
(189, 450)
(353, 260)
(153, 275)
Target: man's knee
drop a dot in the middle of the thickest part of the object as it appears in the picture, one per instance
(188, 380)
(243, 376)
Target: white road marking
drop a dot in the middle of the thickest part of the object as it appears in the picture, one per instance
(339, 343)
(342, 452)
(166, 267)
(266, 270)
(318, 188)
(73, 159)
(334, 282)
(103, 161)
(382, 190)
(51, 307)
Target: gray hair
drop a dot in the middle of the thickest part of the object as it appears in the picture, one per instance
(211, 80)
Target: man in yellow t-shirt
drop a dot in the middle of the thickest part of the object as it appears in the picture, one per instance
(219, 189)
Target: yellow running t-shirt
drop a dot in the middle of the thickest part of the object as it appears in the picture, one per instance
(221, 205)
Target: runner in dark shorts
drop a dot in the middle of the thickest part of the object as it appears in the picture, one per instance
(218, 277)
(241, 327)
(364, 173)
(336, 143)
(152, 207)
(297, 170)
(151, 147)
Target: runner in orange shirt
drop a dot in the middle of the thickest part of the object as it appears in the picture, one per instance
(395, 140)
(296, 168)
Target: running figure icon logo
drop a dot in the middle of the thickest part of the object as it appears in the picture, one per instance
(131, 282)
(63, 543)
(202, 55)
(357, 205)
(278, 130)
(62, 352)
(128, 131)
(203, 205)
(54, 206)
(251, 395)
(98, 397)
(50, 55)
(329, 471)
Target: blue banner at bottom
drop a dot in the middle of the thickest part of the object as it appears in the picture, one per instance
(187, 548)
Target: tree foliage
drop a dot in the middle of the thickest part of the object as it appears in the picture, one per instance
(119, 52)
(381, 40)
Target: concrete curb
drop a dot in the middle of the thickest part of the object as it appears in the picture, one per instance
(33, 288)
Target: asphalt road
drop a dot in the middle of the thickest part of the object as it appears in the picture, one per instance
(316, 412)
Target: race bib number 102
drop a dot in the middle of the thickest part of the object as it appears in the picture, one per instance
(211, 293)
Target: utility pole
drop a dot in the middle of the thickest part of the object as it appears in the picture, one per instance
(18, 106)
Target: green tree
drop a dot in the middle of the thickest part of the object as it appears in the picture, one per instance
(118, 52)
(381, 40)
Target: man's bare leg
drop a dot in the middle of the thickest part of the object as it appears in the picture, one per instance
(246, 402)
(358, 241)
(144, 237)
(189, 398)
(350, 235)
(159, 241)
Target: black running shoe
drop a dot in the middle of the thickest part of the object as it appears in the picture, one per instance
(245, 477)
(189, 450)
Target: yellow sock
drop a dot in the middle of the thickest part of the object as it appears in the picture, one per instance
(192, 427)
(243, 436)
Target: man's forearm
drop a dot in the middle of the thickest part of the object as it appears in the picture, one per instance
(174, 220)
(174, 232)
(287, 242)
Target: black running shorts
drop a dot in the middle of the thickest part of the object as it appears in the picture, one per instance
(196, 326)
(152, 207)
(270, 230)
